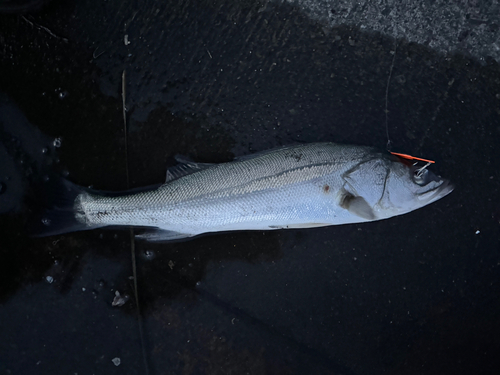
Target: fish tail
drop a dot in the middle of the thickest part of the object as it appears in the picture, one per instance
(54, 211)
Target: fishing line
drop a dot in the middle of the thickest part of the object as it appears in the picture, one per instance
(420, 171)
(132, 237)
(387, 96)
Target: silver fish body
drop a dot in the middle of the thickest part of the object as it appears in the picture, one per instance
(299, 186)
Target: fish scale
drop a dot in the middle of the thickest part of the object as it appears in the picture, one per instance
(198, 195)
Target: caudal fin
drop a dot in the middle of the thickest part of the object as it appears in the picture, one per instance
(53, 208)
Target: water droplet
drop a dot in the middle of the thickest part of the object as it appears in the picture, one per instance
(49, 279)
(57, 142)
(119, 300)
(46, 221)
(63, 94)
(149, 254)
(116, 361)
(45, 150)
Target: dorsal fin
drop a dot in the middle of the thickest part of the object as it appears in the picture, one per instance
(184, 168)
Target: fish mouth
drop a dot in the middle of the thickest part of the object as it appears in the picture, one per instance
(438, 192)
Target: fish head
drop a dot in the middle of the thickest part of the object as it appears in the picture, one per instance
(391, 187)
(410, 187)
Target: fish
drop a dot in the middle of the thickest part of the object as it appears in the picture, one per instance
(297, 186)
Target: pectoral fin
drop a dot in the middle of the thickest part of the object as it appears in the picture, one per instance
(357, 206)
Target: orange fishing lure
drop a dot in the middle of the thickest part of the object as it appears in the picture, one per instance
(409, 157)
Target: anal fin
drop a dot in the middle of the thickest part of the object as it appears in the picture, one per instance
(160, 235)
(299, 226)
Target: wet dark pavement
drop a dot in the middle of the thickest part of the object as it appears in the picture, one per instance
(413, 294)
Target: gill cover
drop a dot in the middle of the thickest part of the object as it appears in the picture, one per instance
(364, 186)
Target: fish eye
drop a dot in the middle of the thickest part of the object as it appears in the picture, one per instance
(420, 176)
